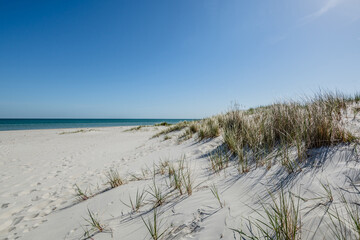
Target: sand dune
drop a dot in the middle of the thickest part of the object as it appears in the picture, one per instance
(40, 168)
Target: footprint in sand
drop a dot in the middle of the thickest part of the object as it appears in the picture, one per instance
(5, 205)
(17, 220)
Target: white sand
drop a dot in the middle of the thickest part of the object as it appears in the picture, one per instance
(40, 167)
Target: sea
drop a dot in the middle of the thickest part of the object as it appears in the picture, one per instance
(27, 124)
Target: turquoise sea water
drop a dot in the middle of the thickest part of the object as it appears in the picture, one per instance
(25, 124)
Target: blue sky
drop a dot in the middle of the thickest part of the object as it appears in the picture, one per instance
(171, 59)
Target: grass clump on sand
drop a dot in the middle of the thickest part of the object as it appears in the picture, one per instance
(206, 128)
(209, 128)
(289, 126)
(280, 220)
(177, 127)
(135, 128)
(113, 178)
(159, 197)
(345, 220)
(219, 160)
(161, 167)
(154, 226)
(94, 224)
(215, 192)
(82, 195)
(162, 124)
(181, 177)
(190, 130)
(138, 202)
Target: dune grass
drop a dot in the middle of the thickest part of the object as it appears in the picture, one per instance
(181, 177)
(345, 219)
(94, 223)
(356, 110)
(313, 123)
(209, 128)
(215, 192)
(328, 196)
(137, 128)
(154, 226)
(219, 160)
(279, 220)
(162, 166)
(162, 124)
(81, 195)
(173, 128)
(188, 180)
(113, 178)
(167, 137)
(175, 178)
(136, 203)
(158, 195)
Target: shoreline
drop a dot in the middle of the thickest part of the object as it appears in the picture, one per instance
(92, 124)
(70, 128)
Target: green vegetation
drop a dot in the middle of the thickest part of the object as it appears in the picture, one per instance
(80, 194)
(154, 226)
(177, 127)
(94, 223)
(135, 128)
(162, 124)
(281, 220)
(167, 137)
(187, 179)
(280, 133)
(113, 178)
(181, 177)
(219, 160)
(138, 202)
(345, 218)
(209, 128)
(158, 195)
(215, 192)
(356, 110)
(162, 166)
(279, 128)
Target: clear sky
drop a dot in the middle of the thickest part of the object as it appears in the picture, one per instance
(171, 58)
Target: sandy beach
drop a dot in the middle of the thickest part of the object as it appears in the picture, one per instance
(41, 167)
(180, 120)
